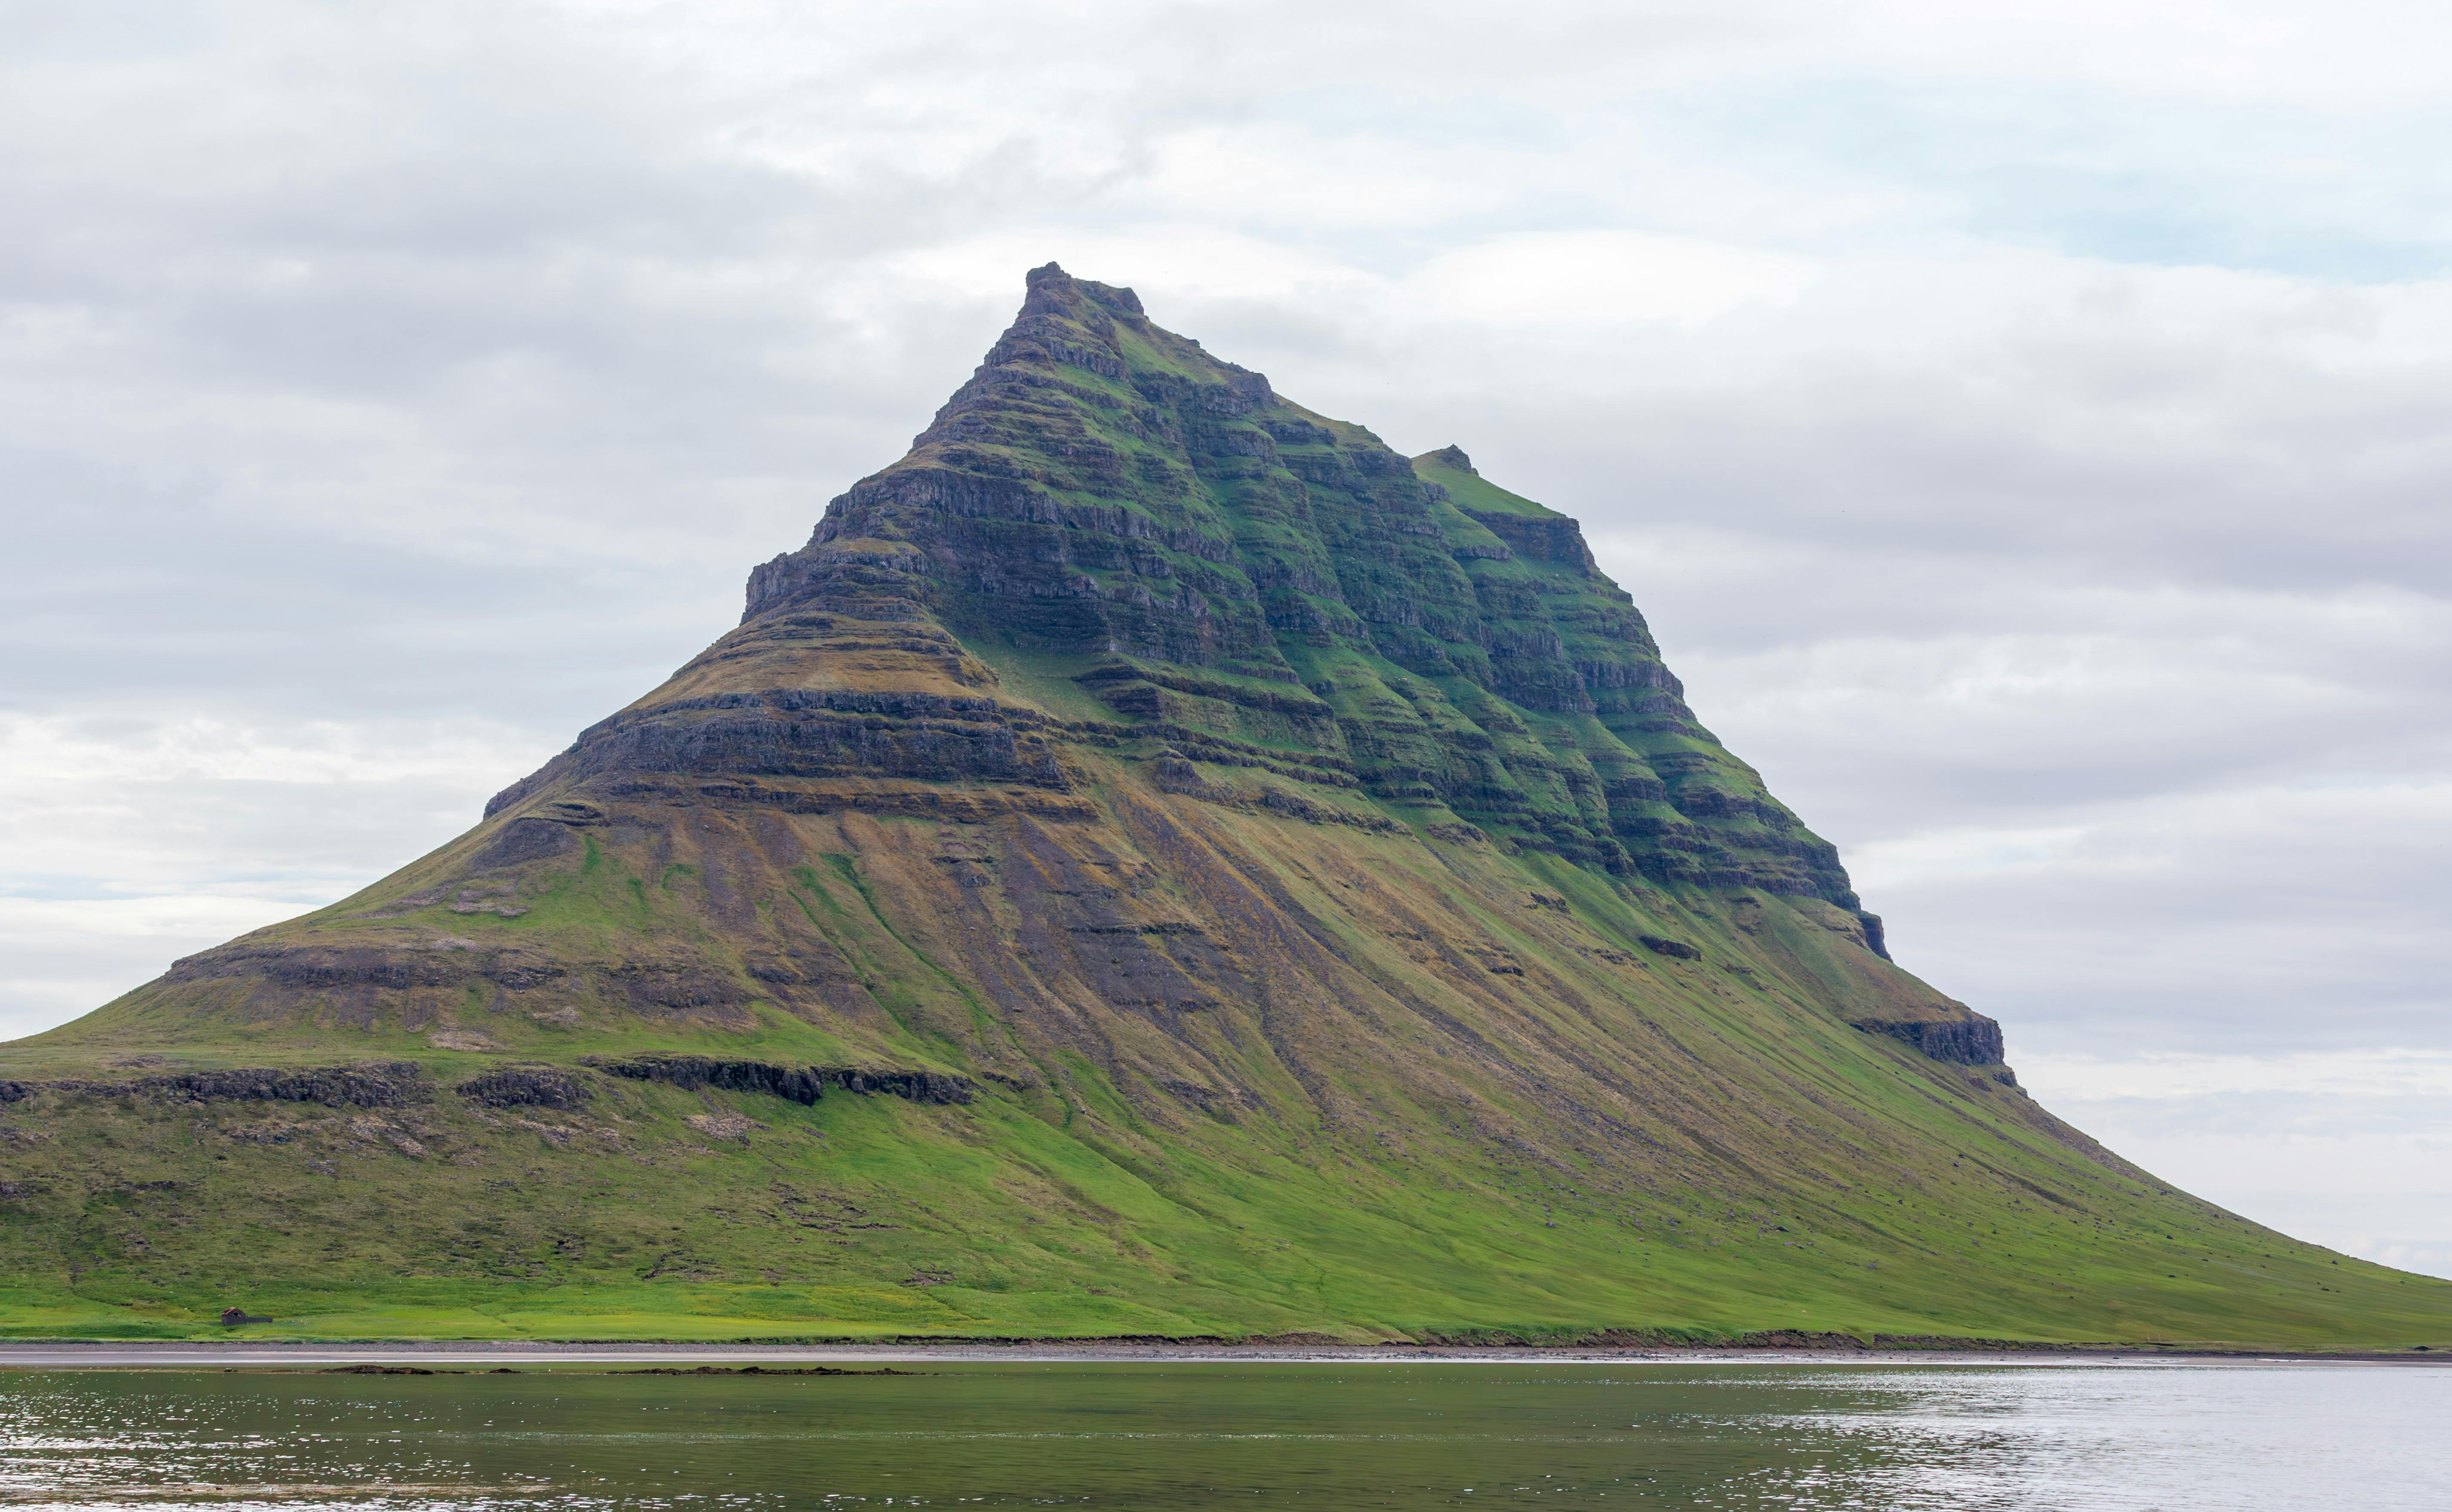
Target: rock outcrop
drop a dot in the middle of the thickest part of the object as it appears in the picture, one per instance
(1965, 1039)
(526, 1086)
(385, 1083)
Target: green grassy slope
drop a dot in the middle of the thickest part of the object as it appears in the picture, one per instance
(1791, 1174)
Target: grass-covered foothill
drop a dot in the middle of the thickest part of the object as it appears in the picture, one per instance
(655, 1211)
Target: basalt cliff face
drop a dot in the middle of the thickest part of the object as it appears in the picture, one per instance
(1157, 862)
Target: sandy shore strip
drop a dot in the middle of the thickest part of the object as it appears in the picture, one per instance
(490, 1354)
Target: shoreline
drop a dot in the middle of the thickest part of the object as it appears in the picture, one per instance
(244, 1354)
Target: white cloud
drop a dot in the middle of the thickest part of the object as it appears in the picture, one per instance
(139, 745)
(1601, 278)
(2344, 56)
(1194, 262)
(135, 837)
(2349, 1149)
(64, 956)
(1280, 175)
(2414, 1073)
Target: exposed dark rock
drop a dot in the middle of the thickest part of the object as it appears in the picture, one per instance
(1873, 939)
(321, 969)
(657, 990)
(374, 1084)
(526, 1086)
(1679, 949)
(917, 1087)
(524, 840)
(1971, 1041)
(801, 1084)
(794, 1083)
(522, 971)
(796, 733)
(363, 1370)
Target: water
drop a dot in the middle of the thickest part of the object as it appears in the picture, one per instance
(1192, 1437)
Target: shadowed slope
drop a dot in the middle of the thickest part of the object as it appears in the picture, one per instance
(1155, 861)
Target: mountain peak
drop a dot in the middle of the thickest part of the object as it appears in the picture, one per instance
(1050, 289)
(1155, 861)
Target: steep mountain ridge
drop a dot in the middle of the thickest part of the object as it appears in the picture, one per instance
(1101, 487)
(1156, 860)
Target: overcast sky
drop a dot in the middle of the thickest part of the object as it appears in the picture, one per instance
(2026, 425)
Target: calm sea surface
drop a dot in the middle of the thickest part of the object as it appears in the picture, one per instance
(1204, 1436)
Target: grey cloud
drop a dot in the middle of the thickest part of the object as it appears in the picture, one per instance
(455, 365)
(2276, 920)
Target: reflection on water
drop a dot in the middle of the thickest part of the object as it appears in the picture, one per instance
(2174, 1438)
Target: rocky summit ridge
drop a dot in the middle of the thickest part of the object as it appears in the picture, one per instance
(1157, 862)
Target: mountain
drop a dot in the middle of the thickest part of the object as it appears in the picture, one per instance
(1157, 862)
